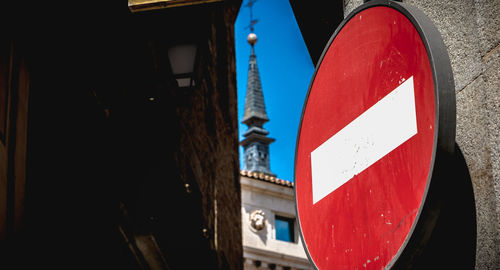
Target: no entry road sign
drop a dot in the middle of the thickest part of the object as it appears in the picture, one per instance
(379, 108)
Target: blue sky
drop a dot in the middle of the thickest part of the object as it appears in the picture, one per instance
(285, 71)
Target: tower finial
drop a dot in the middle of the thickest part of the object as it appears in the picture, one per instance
(252, 20)
(252, 39)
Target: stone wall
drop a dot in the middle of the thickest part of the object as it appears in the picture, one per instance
(471, 33)
(124, 169)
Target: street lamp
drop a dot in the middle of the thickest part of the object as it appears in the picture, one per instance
(182, 62)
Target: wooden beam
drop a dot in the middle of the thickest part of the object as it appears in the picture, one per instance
(144, 5)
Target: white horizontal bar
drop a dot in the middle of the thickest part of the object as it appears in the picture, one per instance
(372, 135)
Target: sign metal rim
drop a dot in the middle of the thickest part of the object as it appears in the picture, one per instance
(444, 97)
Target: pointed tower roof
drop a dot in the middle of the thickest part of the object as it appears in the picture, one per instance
(256, 142)
(255, 108)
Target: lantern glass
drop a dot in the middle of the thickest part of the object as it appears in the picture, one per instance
(182, 59)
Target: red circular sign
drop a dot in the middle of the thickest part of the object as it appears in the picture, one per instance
(366, 142)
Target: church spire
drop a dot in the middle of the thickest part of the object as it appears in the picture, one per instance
(256, 142)
(255, 110)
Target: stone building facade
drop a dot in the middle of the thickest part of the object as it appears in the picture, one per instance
(267, 201)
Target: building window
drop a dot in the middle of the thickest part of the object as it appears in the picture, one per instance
(285, 230)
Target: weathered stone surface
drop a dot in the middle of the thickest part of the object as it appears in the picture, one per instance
(458, 29)
(492, 89)
(472, 134)
(350, 5)
(214, 126)
(470, 32)
(488, 24)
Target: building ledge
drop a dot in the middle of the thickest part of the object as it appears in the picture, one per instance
(266, 178)
(269, 256)
(252, 137)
